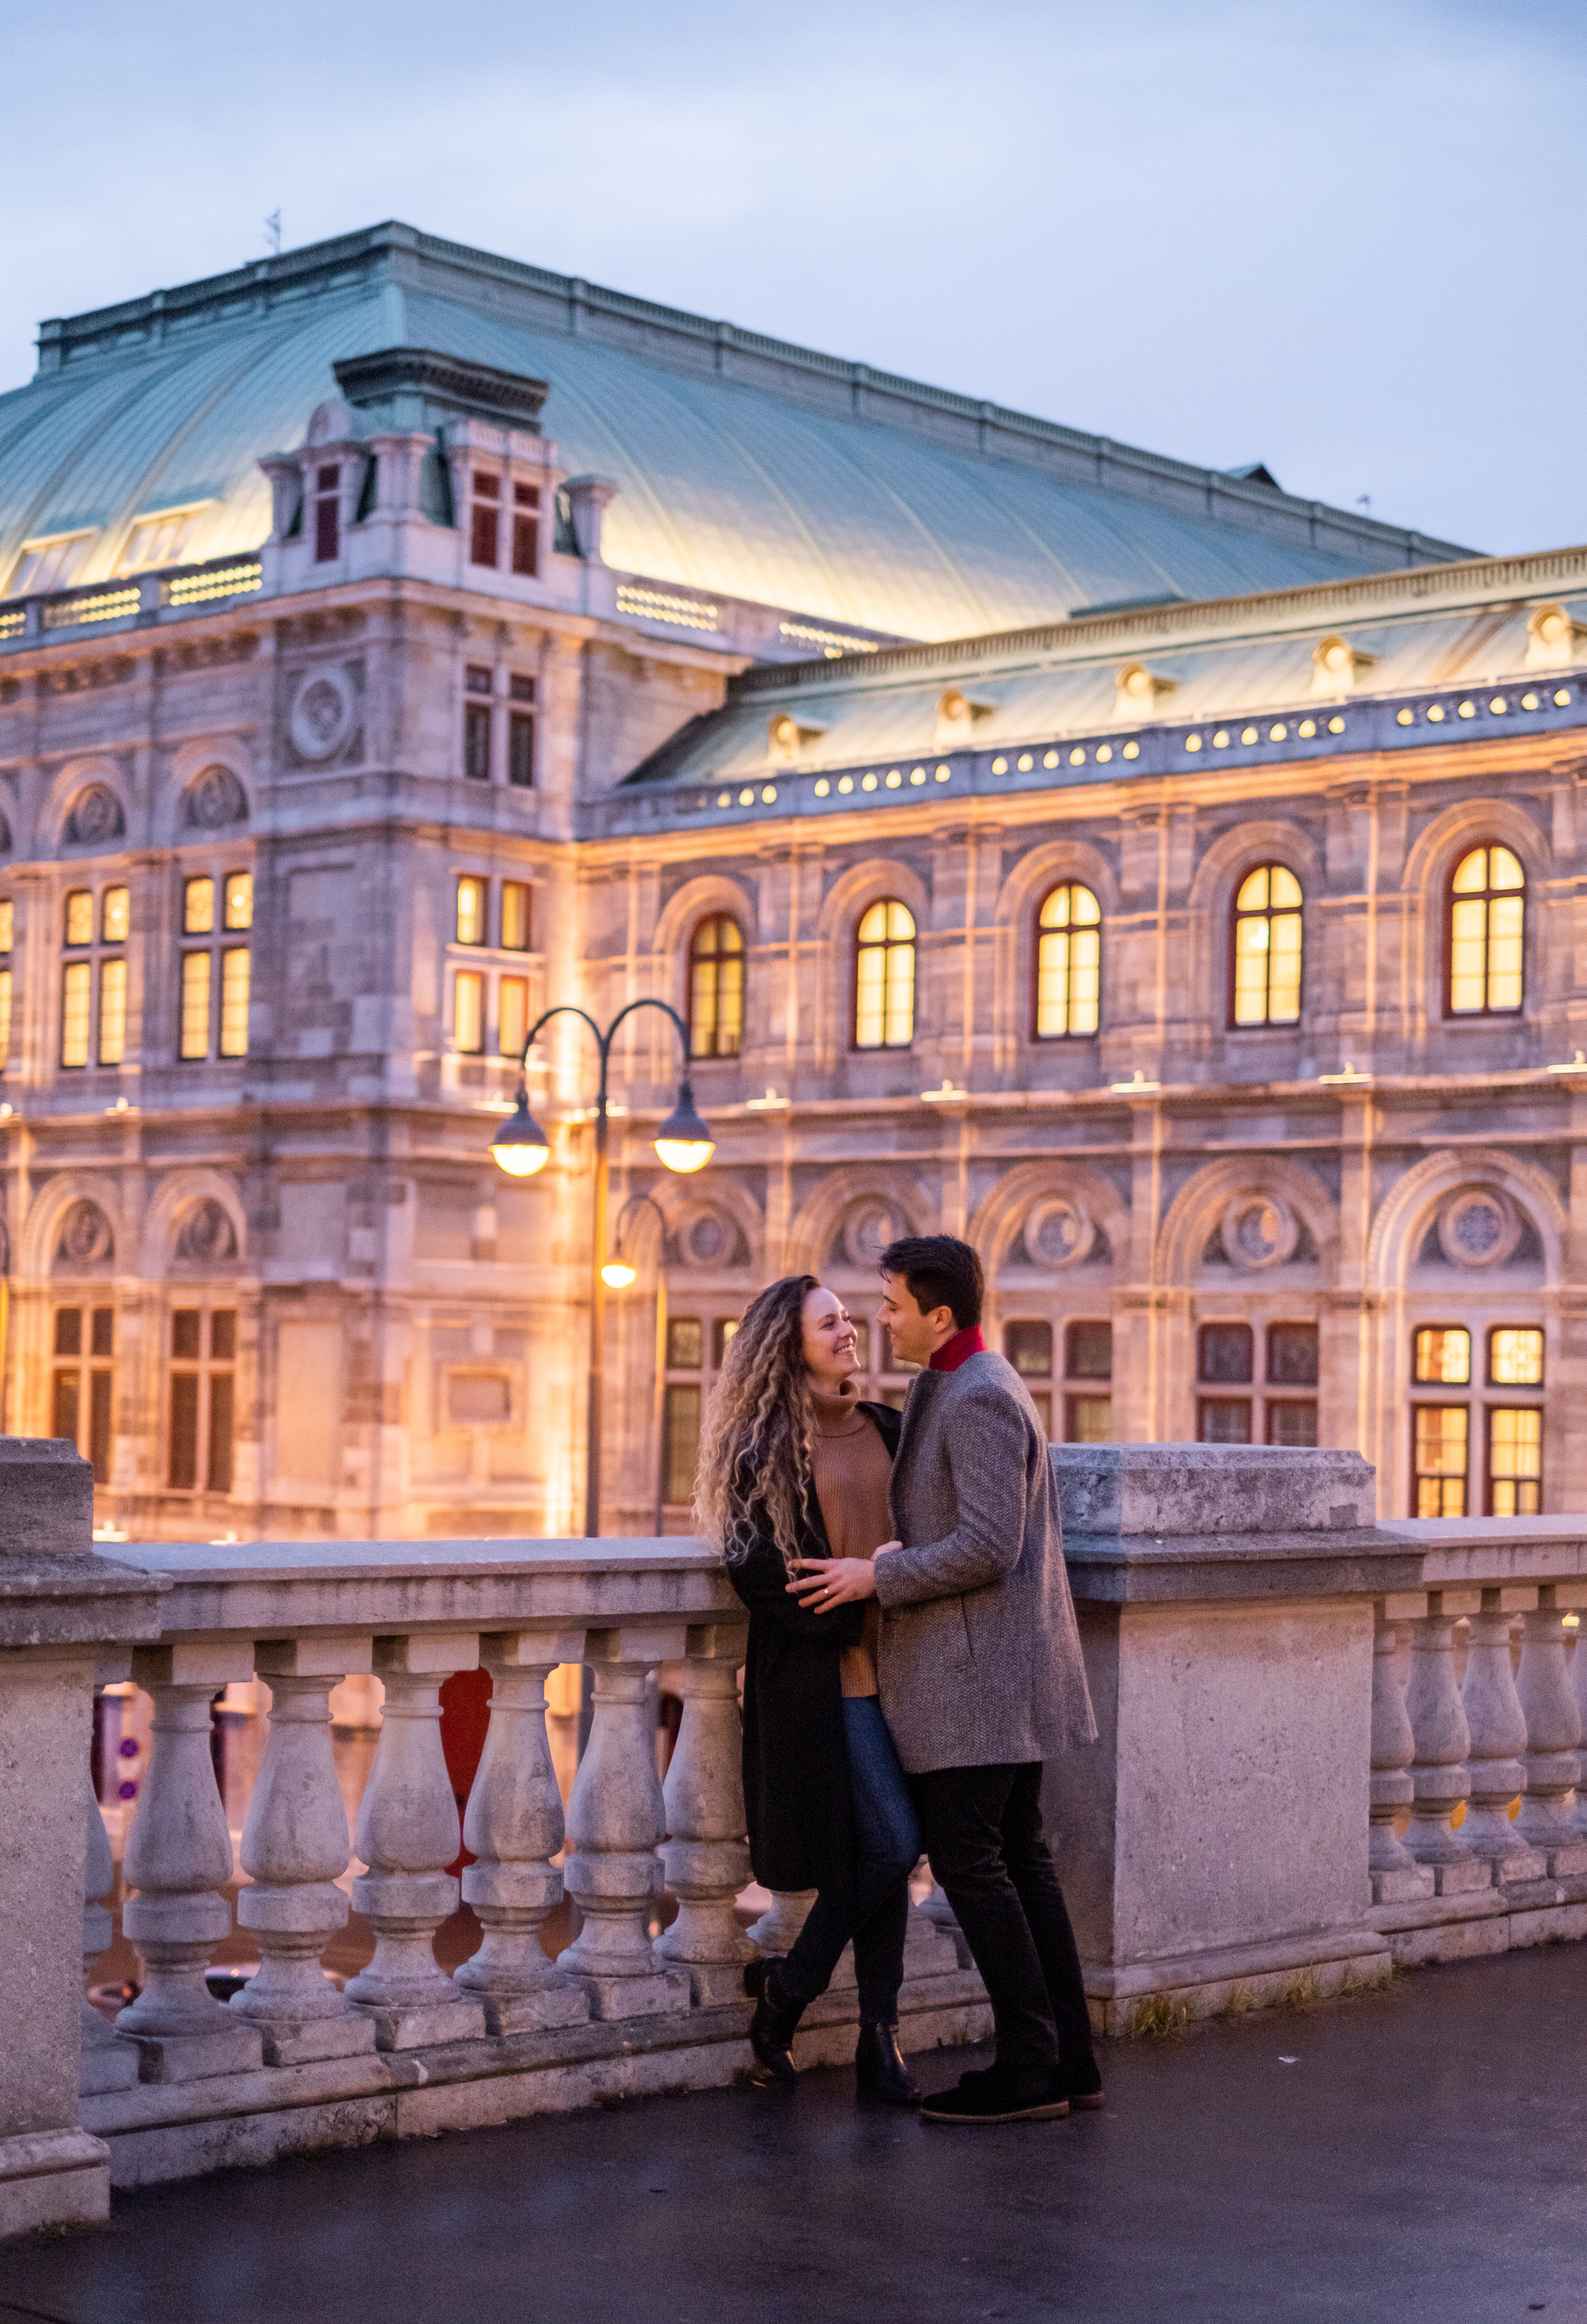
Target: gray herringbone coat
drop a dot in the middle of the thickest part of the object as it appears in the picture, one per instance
(979, 1663)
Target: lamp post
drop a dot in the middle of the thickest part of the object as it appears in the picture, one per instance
(520, 1147)
(617, 1274)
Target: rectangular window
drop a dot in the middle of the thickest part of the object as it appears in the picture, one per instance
(103, 1342)
(115, 916)
(472, 907)
(511, 1015)
(195, 1024)
(519, 688)
(112, 1011)
(5, 1018)
(680, 1441)
(722, 1333)
(469, 1012)
(1292, 1360)
(202, 1399)
(199, 907)
(183, 1473)
(239, 900)
(526, 530)
(1224, 1420)
(1438, 1460)
(1515, 1462)
(75, 981)
(79, 917)
(476, 678)
(476, 742)
(68, 1331)
(327, 515)
(514, 915)
(1041, 1398)
(233, 1002)
(223, 1334)
(1090, 1352)
(1292, 1421)
(862, 1342)
(484, 535)
(185, 1341)
(1443, 1354)
(1090, 1420)
(8, 923)
(1224, 1359)
(1515, 1357)
(99, 1409)
(221, 1432)
(1029, 1347)
(65, 1405)
(520, 750)
(685, 1343)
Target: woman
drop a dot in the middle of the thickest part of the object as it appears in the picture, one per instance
(794, 1466)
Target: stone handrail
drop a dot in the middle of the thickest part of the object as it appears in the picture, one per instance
(1272, 1808)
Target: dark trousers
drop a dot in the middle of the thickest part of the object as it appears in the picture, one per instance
(981, 1828)
(872, 1904)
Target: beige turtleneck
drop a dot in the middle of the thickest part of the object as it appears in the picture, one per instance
(851, 1467)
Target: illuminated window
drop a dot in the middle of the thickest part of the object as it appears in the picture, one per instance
(884, 978)
(112, 1011)
(526, 530)
(49, 565)
(1438, 1487)
(80, 1401)
(79, 917)
(7, 924)
(168, 538)
(1515, 1357)
(233, 1002)
(1444, 1353)
(716, 988)
(1068, 963)
(1266, 949)
(5, 1018)
(472, 899)
(116, 916)
(511, 1015)
(328, 514)
(680, 1441)
(203, 1350)
(239, 899)
(199, 907)
(195, 1006)
(1515, 1460)
(76, 981)
(484, 533)
(516, 917)
(1487, 933)
(686, 1343)
(468, 1012)
(1029, 1347)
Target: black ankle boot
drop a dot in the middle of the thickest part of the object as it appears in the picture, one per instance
(771, 2028)
(880, 2072)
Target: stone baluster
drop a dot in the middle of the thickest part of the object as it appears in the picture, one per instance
(295, 1846)
(774, 1932)
(407, 1833)
(514, 1826)
(106, 2062)
(1498, 1731)
(179, 1855)
(1397, 1877)
(706, 1856)
(617, 1819)
(1578, 1655)
(1552, 1758)
(1439, 1782)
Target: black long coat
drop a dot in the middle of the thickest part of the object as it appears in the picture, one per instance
(801, 1820)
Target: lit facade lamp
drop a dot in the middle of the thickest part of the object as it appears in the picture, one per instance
(683, 1143)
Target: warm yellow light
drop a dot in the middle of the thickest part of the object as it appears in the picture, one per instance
(686, 1154)
(521, 1161)
(617, 1274)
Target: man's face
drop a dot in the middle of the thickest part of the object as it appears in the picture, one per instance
(915, 1337)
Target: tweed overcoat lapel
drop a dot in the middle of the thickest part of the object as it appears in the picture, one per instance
(917, 1404)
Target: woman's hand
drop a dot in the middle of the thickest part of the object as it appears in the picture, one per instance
(825, 1583)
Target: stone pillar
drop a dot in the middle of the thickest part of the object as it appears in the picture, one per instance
(407, 1834)
(295, 1846)
(514, 1827)
(1439, 1781)
(617, 1819)
(1579, 1682)
(706, 1856)
(1498, 1728)
(774, 1932)
(107, 2063)
(178, 1857)
(1552, 1758)
(1397, 1877)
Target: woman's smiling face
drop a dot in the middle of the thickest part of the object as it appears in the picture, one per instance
(831, 1346)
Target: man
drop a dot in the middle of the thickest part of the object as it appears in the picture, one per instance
(981, 1673)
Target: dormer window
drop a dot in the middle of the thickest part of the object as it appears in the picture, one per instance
(484, 534)
(327, 513)
(51, 563)
(526, 530)
(169, 538)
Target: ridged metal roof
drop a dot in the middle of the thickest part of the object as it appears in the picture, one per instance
(760, 471)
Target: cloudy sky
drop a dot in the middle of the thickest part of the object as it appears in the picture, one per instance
(1341, 240)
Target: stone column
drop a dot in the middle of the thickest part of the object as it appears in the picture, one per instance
(707, 1857)
(108, 2064)
(1498, 1730)
(617, 1819)
(407, 1834)
(514, 1827)
(774, 1932)
(1397, 1877)
(1439, 1781)
(1552, 1758)
(178, 1857)
(295, 1846)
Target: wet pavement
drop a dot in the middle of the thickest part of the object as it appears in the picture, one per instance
(1420, 2154)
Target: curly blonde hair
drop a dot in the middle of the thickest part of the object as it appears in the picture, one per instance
(754, 1465)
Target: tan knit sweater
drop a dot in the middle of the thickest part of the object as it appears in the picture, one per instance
(851, 1467)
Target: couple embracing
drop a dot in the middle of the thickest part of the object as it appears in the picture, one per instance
(913, 1658)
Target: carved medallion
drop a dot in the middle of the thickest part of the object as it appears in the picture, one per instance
(86, 1239)
(207, 1237)
(1479, 1227)
(213, 800)
(1259, 1230)
(96, 817)
(323, 712)
(1058, 1232)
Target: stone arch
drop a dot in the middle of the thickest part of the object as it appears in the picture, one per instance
(998, 1222)
(810, 1234)
(1429, 864)
(38, 1240)
(676, 1197)
(676, 923)
(1014, 916)
(1213, 889)
(1402, 1221)
(203, 776)
(195, 1225)
(81, 780)
(858, 887)
(1200, 1203)
(84, 1240)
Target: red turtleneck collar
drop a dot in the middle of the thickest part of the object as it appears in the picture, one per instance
(955, 1351)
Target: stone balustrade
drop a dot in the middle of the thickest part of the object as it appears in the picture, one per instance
(1326, 1746)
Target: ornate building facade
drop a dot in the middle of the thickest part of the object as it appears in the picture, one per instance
(1173, 885)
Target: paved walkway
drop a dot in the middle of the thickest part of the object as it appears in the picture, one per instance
(1418, 2155)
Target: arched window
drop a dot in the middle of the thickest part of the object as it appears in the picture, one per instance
(1266, 948)
(1487, 933)
(884, 978)
(1068, 963)
(716, 988)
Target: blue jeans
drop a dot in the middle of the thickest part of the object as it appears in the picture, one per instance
(873, 1904)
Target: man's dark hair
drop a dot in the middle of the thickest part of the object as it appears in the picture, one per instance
(940, 1271)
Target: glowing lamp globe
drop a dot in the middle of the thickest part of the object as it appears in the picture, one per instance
(521, 1146)
(683, 1142)
(617, 1274)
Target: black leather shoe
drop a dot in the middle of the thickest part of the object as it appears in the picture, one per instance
(880, 2072)
(992, 2094)
(1083, 2086)
(771, 2028)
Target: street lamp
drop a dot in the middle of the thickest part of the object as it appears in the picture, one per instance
(520, 1147)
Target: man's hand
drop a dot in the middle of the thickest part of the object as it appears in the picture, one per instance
(885, 1547)
(825, 1583)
